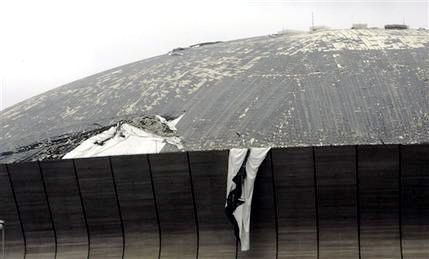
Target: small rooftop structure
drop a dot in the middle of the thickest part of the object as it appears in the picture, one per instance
(319, 28)
(359, 26)
(395, 27)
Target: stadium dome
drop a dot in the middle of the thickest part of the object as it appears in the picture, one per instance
(329, 87)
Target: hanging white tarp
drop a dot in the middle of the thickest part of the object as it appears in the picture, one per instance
(243, 167)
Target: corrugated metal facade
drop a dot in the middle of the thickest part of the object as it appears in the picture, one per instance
(310, 202)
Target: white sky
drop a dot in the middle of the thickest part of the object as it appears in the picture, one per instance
(47, 43)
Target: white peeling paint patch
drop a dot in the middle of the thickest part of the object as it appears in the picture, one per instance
(371, 39)
(244, 113)
(116, 72)
(69, 111)
(115, 86)
(125, 139)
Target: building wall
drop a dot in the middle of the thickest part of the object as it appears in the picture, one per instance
(309, 202)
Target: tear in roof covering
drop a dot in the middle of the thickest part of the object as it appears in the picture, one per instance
(333, 87)
(139, 135)
(125, 139)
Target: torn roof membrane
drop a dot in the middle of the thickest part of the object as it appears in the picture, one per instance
(123, 139)
(139, 135)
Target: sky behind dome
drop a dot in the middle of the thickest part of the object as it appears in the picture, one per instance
(47, 43)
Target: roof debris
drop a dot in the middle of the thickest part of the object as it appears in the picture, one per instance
(145, 134)
(124, 139)
(204, 44)
(178, 51)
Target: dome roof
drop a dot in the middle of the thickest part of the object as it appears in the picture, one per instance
(334, 87)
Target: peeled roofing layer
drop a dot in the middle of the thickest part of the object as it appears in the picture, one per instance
(241, 213)
(321, 88)
(125, 139)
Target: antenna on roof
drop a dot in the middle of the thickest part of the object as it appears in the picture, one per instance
(312, 21)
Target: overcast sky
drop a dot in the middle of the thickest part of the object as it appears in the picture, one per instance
(47, 43)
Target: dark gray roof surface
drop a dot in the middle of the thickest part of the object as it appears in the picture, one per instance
(322, 88)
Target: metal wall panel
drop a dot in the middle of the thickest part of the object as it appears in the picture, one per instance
(34, 210)
(134, 186)
(66, 206)
(415, 201)
(14, 244)
(337, 203)
(378, 172)
(375, 197)
(99, 199)
(296, 202)
(209, 174)
(263, 220)
(175, 204)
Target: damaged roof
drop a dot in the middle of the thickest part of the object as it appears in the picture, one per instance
(334, 87)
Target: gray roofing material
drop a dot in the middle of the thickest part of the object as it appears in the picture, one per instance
(335, 87)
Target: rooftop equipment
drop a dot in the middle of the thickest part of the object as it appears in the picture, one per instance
(395, 27)
(359, 26)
